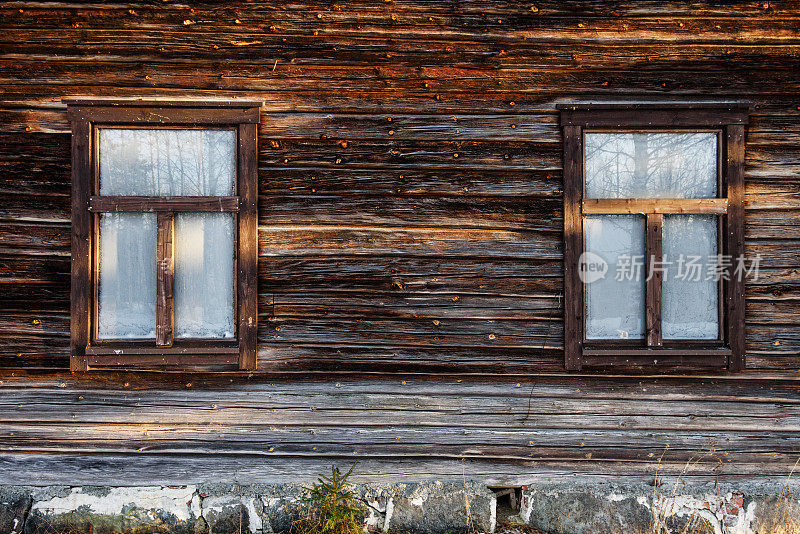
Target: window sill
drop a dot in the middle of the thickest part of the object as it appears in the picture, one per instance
(661, 357)
(160, 356)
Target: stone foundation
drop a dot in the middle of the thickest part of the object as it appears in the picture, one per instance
(434, 508)
(429, 508)
(742, 508)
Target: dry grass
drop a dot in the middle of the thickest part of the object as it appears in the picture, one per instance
(783, 520)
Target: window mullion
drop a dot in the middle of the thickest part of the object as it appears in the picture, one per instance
(653, 267)
(165, 274)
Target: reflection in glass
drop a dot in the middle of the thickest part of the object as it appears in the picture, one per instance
(690, 301)
(615, 308)
(651, 165)
(167, 162)
(204, 275)
(127, 276)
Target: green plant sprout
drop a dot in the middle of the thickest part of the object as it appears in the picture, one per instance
(331, 508)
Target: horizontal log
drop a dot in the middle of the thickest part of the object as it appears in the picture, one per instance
(775, 254)
(783, 340)
(338, 240)
(38, 208)
(228, 439)
(353, 42)
(206, 388)
(772, 224)
(35, 164)
(393, 182)
(765, 162)
(48, 239)
(16, 268)
(363, 411)
(772, 292)
(511, 155)
(541, 128)
(279, 54)
(389, 305)
(34, 296)
(539, 333)
(429, 80)
(276, 358)
(34, 351)
(505, 213)
(308, 10)
(549, 8)
(24, 103)
(774, 279)
(96, 469)
(771, 193)
(784, 312)
(31, 98)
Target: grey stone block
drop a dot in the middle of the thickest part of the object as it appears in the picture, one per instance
(584, 509)
(231, 509)
(439, 508)
(138, 510)
(281, 506)
(746, 507)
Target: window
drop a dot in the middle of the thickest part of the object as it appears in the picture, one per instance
(164, 233)
(653, 228)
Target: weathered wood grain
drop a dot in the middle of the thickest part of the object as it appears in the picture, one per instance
(406, 250)
(495, 432)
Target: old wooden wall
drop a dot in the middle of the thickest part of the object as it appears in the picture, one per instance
(142, 430)
(410, 220)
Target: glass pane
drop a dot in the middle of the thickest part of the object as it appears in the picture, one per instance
(690, 291)
(651, 165)
(127, 276)
(204, 276)
(137, 162)
(612, 270)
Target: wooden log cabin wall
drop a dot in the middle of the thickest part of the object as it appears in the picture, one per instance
(410, 273)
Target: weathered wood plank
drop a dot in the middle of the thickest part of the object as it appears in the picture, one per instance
(397, 411)
(627, 444)
(507, 213)
(392, 182)
(410, 305)
(539, 333)
(141, 469)
(772, 224)
(492, 426)
(338, 240)
(400, 224)
(395, 359)
(512, 155)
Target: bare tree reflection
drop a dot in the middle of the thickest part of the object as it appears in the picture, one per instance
(168, 162)
(651, 165)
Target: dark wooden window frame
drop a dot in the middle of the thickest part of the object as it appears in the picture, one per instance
(729, 120)
(86, 116)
